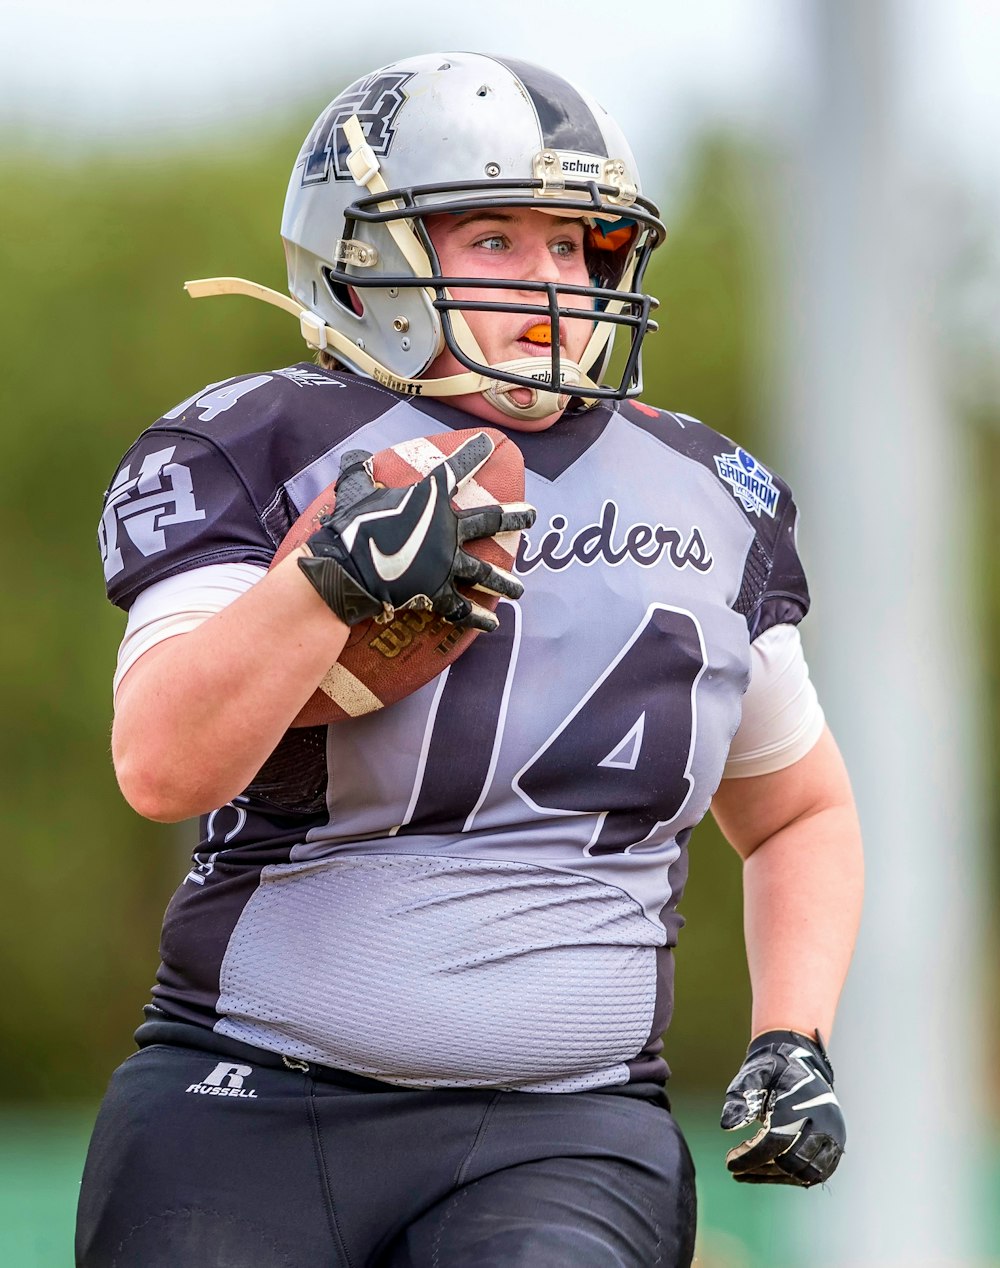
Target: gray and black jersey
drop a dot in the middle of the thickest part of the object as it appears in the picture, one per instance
(478, 885)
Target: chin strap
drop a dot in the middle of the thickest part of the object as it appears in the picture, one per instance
(319, 335)
(541, 402)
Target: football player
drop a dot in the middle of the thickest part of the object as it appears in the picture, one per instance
(412, 991)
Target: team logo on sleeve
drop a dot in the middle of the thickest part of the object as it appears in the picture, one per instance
(145, 505)
(750, 482)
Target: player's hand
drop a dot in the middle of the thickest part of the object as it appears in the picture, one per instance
(384, 549)
(786, 1084)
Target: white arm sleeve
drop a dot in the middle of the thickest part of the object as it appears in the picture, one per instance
(782, 718)
(180, 604)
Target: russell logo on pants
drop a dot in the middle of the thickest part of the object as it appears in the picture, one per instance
(225, 1080)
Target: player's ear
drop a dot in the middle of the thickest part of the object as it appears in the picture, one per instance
(356, 303)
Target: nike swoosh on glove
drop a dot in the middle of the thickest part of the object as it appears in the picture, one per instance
(385, 548)
(786, 1084)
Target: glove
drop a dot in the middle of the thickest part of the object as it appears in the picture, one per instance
(785, 1083)
(384, 549)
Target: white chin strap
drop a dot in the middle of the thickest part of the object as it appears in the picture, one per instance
(539, 402)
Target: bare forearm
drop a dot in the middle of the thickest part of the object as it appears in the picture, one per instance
(198, 714)
(798, 834)
(802, 904)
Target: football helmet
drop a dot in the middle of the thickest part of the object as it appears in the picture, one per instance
(457, 132)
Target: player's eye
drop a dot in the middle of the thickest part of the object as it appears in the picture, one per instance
(493, 242)
(566, 247)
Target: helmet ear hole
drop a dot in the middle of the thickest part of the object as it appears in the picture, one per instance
(345, 296)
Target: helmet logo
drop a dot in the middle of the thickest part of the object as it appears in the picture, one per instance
(376, 101)
(580, 164)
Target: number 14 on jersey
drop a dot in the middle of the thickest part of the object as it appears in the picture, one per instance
(621, 755)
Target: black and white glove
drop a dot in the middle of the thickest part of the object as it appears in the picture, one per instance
(384, 549)
(785, 1083)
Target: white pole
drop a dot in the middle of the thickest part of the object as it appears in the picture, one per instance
(877, 463)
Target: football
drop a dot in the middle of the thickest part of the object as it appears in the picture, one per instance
(382, 663)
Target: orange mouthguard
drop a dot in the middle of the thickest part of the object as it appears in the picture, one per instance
(542, 333)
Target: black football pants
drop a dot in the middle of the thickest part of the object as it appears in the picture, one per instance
(202, 1160)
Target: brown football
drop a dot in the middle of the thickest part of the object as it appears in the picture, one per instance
(383, 663)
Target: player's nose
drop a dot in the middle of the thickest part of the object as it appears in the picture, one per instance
(539, 263)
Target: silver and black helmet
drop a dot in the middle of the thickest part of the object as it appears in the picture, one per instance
(457, 132)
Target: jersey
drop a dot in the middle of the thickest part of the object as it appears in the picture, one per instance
(476, 886)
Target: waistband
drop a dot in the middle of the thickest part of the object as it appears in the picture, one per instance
(160, 1028)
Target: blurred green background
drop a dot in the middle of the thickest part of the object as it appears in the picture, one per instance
(99, 340)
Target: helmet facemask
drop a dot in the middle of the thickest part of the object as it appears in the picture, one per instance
(617, 248)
